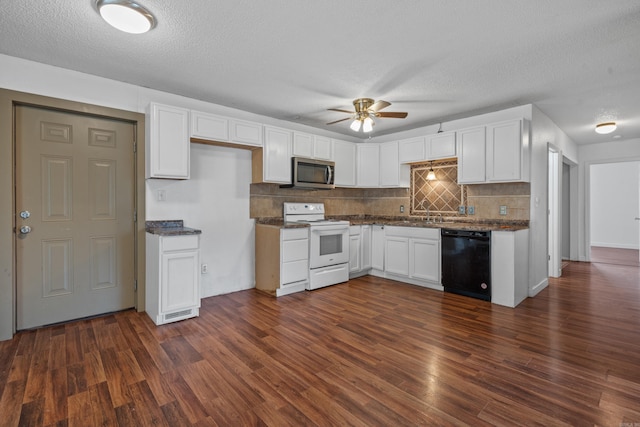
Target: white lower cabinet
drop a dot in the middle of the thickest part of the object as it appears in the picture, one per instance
(509, 267)
(377, 250)
(412, 255)
(282, 259)
(359, 250)
(173, 277)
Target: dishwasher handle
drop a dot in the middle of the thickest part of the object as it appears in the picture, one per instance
(467, 234)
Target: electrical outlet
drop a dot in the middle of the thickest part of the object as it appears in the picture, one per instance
(401, 208)
(503, 210)
(471, 210)
(461, 210)
(162, 195)
(204, 269)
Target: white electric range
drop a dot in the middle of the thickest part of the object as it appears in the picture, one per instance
(328, 243)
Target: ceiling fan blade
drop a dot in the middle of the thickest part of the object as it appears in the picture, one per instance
(378, 105)
(392, 115)
(341, 111)
(338, 121)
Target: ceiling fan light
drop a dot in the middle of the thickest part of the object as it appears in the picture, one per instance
(367, 125)
(355, 125)
(126, 16)
(605, 128)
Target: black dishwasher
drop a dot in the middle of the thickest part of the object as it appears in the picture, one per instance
(466, 263)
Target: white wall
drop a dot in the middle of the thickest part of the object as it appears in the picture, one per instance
(606, 152)
(614, 204)
(543, 132)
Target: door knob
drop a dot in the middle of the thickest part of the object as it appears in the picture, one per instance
(25, 229)
(25, 214)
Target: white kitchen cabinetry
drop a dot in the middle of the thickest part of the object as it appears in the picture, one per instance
(396, 253)
(167, 150)
(368, 169)
(509, 267)
(209, 126)
(282, 259)
(391, 175)
(377, 250)
(173, 277)
(275, 164)
(355, 253)
(245, 133)
(441, 146)
(359, 250)
(412, 150)
(471, 148)
(312, 146)
(344, 156)
(508, 151)
(424, 255)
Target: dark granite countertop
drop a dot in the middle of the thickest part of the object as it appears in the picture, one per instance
(452, 223)
(174, 227)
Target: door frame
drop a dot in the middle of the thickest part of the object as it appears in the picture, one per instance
(8, 280)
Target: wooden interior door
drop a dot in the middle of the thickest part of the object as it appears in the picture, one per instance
(75, 216)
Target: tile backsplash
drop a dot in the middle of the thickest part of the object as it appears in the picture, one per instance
(443, 196)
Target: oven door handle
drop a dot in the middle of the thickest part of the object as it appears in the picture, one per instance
(326, 230)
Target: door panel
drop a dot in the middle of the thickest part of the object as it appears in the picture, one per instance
(75, 177)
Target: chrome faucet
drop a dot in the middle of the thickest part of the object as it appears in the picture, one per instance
(440, 216)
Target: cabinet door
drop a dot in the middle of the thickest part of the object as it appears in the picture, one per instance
(377, 247)
(322, 148)
(396, 255)
(168, 150)
(246, 133)
(424, 257)
(277, 155)
(355, 264)
(179, 283)
(412, 150)
(368, 169)
(389, 165)
(345, 159)
(504, 151)
(471, 155)
(209, 126)
(365, 246)
(441, 146)
(302, 145)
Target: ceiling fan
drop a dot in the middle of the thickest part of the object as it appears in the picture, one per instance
(366, 110)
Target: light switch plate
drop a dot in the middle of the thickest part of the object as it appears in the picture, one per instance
(471, 210)
(461, 210)
(503, 210)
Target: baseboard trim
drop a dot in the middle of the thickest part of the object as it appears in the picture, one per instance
(539, 287)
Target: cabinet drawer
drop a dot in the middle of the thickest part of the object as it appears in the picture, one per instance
(294, 271)
(295, 233)
(417, 232)
(294, 250)
(180, 243)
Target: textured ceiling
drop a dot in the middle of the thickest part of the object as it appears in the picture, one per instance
(577, 60)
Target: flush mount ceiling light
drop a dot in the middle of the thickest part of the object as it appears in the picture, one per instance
(126, 16)
(605, 128)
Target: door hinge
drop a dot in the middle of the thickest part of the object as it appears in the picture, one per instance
(135, 285)
(135, 216)
(549, 257)
(135, 147)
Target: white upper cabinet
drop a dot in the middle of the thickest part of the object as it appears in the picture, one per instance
(507, 152)
(471, 147)
(498, 152)
(322, 148)
(209, 126)
(344, 156)
(390, 173)
(368, 170)
(412, 150)
(312, 146)
(277, 155)
(168, 144)
(441, 146)
(246, 133)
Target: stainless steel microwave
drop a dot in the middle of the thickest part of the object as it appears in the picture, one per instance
(312, 173)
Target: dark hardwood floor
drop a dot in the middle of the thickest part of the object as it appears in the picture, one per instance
(371, 352)
(615, 256)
